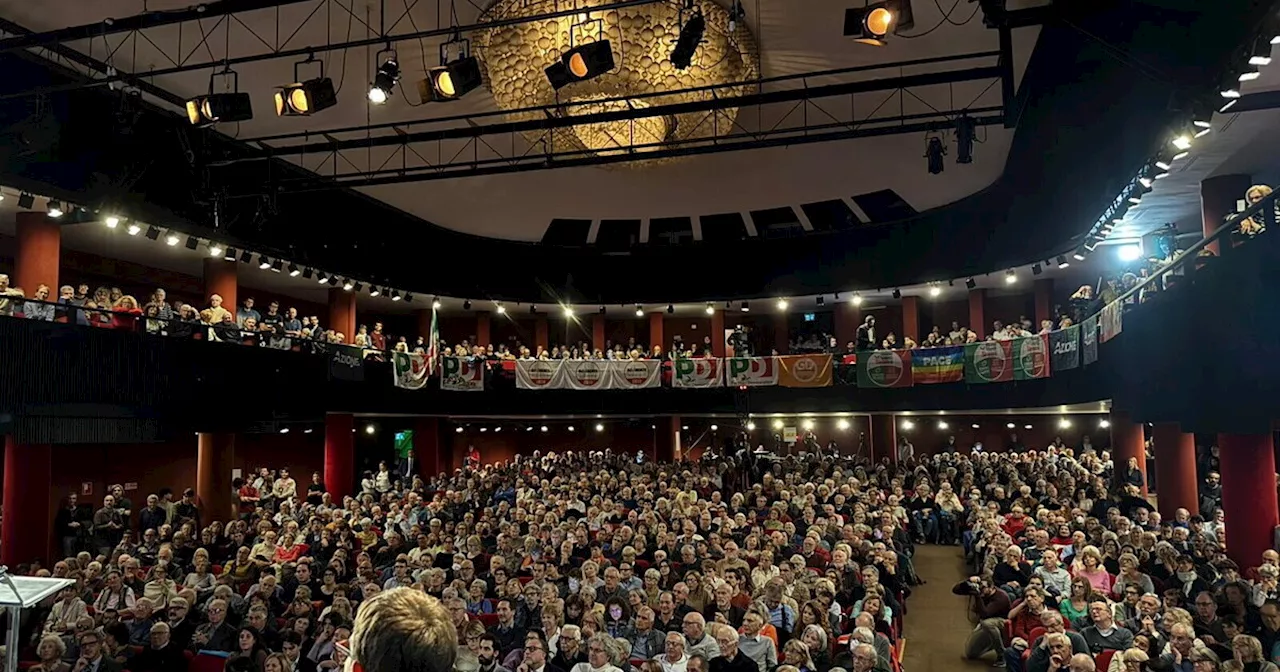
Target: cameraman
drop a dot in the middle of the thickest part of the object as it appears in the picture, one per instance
(990, 608)
(738, 342)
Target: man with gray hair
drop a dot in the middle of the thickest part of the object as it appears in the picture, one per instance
(864, 658)
(698, 642)
(161, 656)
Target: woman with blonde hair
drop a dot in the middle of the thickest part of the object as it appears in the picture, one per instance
(1129, 660)
(1089, 566)
(1247, 656)
(796, 653)
(1252, 226)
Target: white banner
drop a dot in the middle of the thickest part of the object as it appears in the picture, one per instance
(692, 373)
(587, 374)
(410, 370)
(459, 375)
(751, 371)
(538, 374)
(634, 375)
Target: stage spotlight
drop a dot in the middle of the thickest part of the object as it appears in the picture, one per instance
(935, 151)
(966, 133)
(1261, 54)
(782, 304)
(1104, 423)
(934, 291)
(264, 262)
(842, 424)
(348, 285)
(333, 280)
(599, 427)
(210, 109)
(395, 296)
(970, 283)
(687, 43)
(1182, 141)
(133, 229)
(306, 273)
(942, 425)
(384, 81)
(466, 305)
(215, 250)
(751, 426)
(568, 311)
(897, 293)
(671, 309)
(856, 300)
(172, 239)
(55, 209)
(230, 254)
(502, 310)
(112, 221)
(639, 311)
(1062, 261)
(1036, 269)
(26, 201)
(375, 291)
(533, 310)
(746, 307)
(1080, 254)
(1129, 253)
(1010, 277)
(581, 63)
(711, 310)
(602, 310)
(294, 271)
(305, 98)
(870, 24)
(192, 242)
(153, 233)
(450, 81)
(321, 278)
(246, 256)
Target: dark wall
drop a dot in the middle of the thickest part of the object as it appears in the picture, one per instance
(993, 431)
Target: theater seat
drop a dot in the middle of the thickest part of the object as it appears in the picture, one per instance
(1103, 661)
(1036, 633)
(489, 620)
(206, 663)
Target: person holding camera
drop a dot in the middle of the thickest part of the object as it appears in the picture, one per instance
(990, 608)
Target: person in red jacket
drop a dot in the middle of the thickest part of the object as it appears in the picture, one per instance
(991, 607)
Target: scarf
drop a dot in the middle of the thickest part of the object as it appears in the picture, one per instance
(1188, 580)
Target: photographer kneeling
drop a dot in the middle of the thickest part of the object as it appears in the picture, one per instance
(990, 608)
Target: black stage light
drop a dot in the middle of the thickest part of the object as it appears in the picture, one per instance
(602, 310)
(212, 108)
(533, 310)
(230, 254)
(374, 291)
(746, 307)
(26, 201)
(395, 296)
(384, 81)
(304, 98)
(466, 305)
(264, 262)
(357, 288)
(277, 266)
(306, 274)
(970, 283)
(687, 44)
(822, 301)
(408, 298)
(581, 63)
(451, 81)
(671, 309)
(934, 152)
(54, 209)
(897, 293)
(966, 133)
(153, 233)
(321, 278)
(870, 24)
(1062, 261)
(192, 242)
(333, 280)
(294, 271)
(348, 285)
(246, 256)
(1036, 270)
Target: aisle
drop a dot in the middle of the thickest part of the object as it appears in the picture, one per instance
(936, 623)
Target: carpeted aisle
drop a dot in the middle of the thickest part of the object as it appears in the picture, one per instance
(936, 623)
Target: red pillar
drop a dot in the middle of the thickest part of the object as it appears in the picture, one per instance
(911, 318)
(541, 334)
(24, 535)
(426, 447)
(718, 346)
(339, 455)
(655, 331)
(1218, 196)
(977, 310)
(884, 437)
(1248, 468)
(848, 318)
(666, 439)
(1175, 453)
(1127, 441)
(220, 279)
(1044, 302)
(215, 458)
(39, 247)
(483, 333)
(781, 334)
(597, 331)
(342, 313)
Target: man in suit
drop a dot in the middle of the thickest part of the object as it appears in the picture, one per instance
(535, 655)
(407, 467)
(163, 655)
(91, 658)
(216, 635)
(866, 336)
(291, 645)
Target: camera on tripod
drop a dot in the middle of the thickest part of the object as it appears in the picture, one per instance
(738, 341)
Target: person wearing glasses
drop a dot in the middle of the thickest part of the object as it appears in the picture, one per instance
(534, 657)
(216, 634)
(731, 658)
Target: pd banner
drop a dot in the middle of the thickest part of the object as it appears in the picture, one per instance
(1112, 320)
(459, 375)
(885, 368)
(1064, 348)
(988, 362)
(346, 364)
(751, 371)
(1031, 357)
(410, 370)
(693, 373)
(804, 370)
(938, 365)
(1089, 340)
(634, 375)
(538, 374)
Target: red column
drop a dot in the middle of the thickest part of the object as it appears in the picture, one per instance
(911, 318)
(1248, 468)
(483, 336)
(339, 455)
(1175, 453)
(1127, 441)
(24, 535)
(597, 331)
(541, 333)
(977, 317)
(666, 439)
(1218, 196)
(883, 440)
(39, 247)
(215, 458)
(781, 334)
(342, 313)
(718, 346)
(220, 279)
(655, 331)
(426, 447)
(848, 318)
(1044, 302)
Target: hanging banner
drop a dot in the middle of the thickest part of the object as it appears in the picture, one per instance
(885, 368)
(1089, 340)
(459, 375)
(1031, 357)
(633, 375)
(988, 362)
(1064, 348)
(538, 374)
(346, 364)
(804, 370)
(751, 371)
(938, 365)
(1112, 320)
(694, 373)
(410, 370)
(585, 374)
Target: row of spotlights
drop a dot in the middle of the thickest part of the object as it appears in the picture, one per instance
(943, 425)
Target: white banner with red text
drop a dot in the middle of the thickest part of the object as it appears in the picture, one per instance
(589, 374)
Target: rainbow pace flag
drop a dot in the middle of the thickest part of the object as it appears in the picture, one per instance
(938, 365)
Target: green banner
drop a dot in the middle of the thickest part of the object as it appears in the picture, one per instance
(988, 362)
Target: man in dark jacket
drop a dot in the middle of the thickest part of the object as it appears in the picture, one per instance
(866, 336)
(161, 656)
(152, 517)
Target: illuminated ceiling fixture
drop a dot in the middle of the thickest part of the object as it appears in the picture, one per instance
(639, 311)
(1010, 277)
(1062, 261)
(172, 239)
(1080, 254)
(133, 229)
(568, 311)
(842, 424)
(385, 79)
(581, 63)
(452, 79)
(55, 209)
(711, 310)
(395, 296)
(321, 278)
(907, 424)
(751, 426)
(294, 271)
(870, 24)
(856, 300)
(935, 151)
(375, 290)
(1063, 423)
(215, 250)
(228, 106)
(1036, 269)
(502, 310)
(112, 221)
(348, 285)
(690, 37)
(777, 424)
(934, 291)
(942, 424)
(1182, 141)
(231, 255)
(1261, 54)
(304, 98)
(1249, 75)
(1129, 253)
(782, 304)
(435, 304)
(264, 262)
(745, 307)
